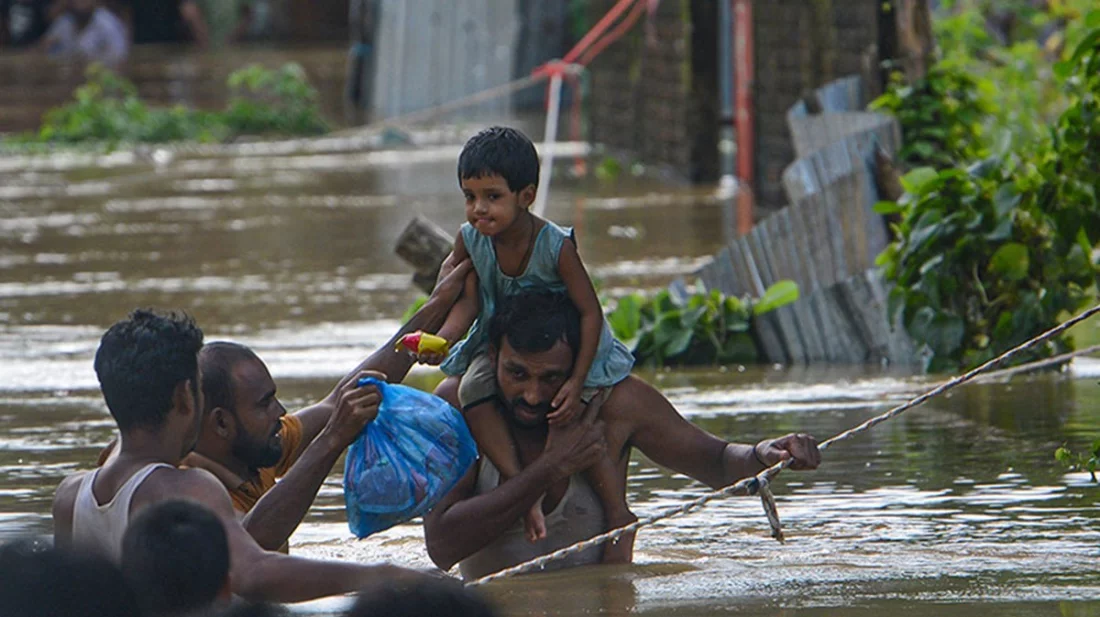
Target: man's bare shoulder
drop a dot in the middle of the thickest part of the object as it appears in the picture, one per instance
(189, 483)
(622, 402)
(65, 496)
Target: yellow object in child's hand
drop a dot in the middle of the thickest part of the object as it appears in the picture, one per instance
(422, 342)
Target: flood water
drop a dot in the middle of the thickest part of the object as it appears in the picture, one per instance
(955, 508)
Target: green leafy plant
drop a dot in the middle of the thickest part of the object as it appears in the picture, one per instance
(107, 109)
(280, 101)
(941, 116)
(1089, 461)
(993, 254)
(1017, 63)
(704, 328)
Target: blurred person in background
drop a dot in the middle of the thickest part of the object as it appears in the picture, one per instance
(225, 22)
(88, 32)
(163, 21)
(23, 22)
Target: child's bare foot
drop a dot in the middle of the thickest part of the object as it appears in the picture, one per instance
(534, 522)
(621, 549)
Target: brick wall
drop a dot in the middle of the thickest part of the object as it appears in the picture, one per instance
(671, 116)
(641, 89)
(801, 45)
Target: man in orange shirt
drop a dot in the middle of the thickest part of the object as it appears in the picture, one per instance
(273, 463)
(248, 440)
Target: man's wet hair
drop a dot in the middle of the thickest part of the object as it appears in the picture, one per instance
(175, 555)
(500, 151)
(217, 361)
(534, 321)
(427, 597)
(140, 361)
(40, 581)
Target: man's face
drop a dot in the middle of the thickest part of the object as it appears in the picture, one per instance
(528, 381)
(257, 442)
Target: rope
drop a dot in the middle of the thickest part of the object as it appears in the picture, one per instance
(759, 482)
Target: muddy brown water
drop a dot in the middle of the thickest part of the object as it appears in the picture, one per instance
(955, 508)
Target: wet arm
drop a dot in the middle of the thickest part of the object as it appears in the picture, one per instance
(457, 256)
(640, 416)
(583, 294)
(279, 512)
(395, 365)
(63, 504)
(256, 574)
(462, 314)
(462, 523)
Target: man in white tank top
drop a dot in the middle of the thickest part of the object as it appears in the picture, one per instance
(148, 371)
(534, 338)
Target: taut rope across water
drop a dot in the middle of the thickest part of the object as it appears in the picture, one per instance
(758, 484)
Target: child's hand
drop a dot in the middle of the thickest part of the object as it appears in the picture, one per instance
(567, 402)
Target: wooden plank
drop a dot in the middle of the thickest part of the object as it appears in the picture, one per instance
(824, 321)
(765, 327)
(844, 94)
(901, 348)
(728, 283)
(708, 272)
(871, 224)
(811, 334)
(812, 133)
(802, 244)
(762, 242)
(767, 336)
(831, 222)
(779, 254)
(878, 233)
(864, 316)
(795, 248)
(815, 213)
(850, 346)
(851, 223)
(775, 237)
(740, 268)
(800, 179)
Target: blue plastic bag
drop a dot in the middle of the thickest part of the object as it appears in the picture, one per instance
(406, 460)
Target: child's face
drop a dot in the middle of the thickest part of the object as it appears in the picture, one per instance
(491, 207)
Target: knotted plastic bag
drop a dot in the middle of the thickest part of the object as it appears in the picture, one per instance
(406, 460)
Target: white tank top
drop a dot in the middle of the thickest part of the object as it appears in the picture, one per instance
(99, 528)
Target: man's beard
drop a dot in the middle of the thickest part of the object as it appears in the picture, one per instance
(257, 454)
(540, 410)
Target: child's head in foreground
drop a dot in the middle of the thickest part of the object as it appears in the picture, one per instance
(498, 171)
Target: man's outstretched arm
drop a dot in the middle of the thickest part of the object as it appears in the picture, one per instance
(279, 512)
(394, 365)
(638, 415)
(256, 574)
(326, 433)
